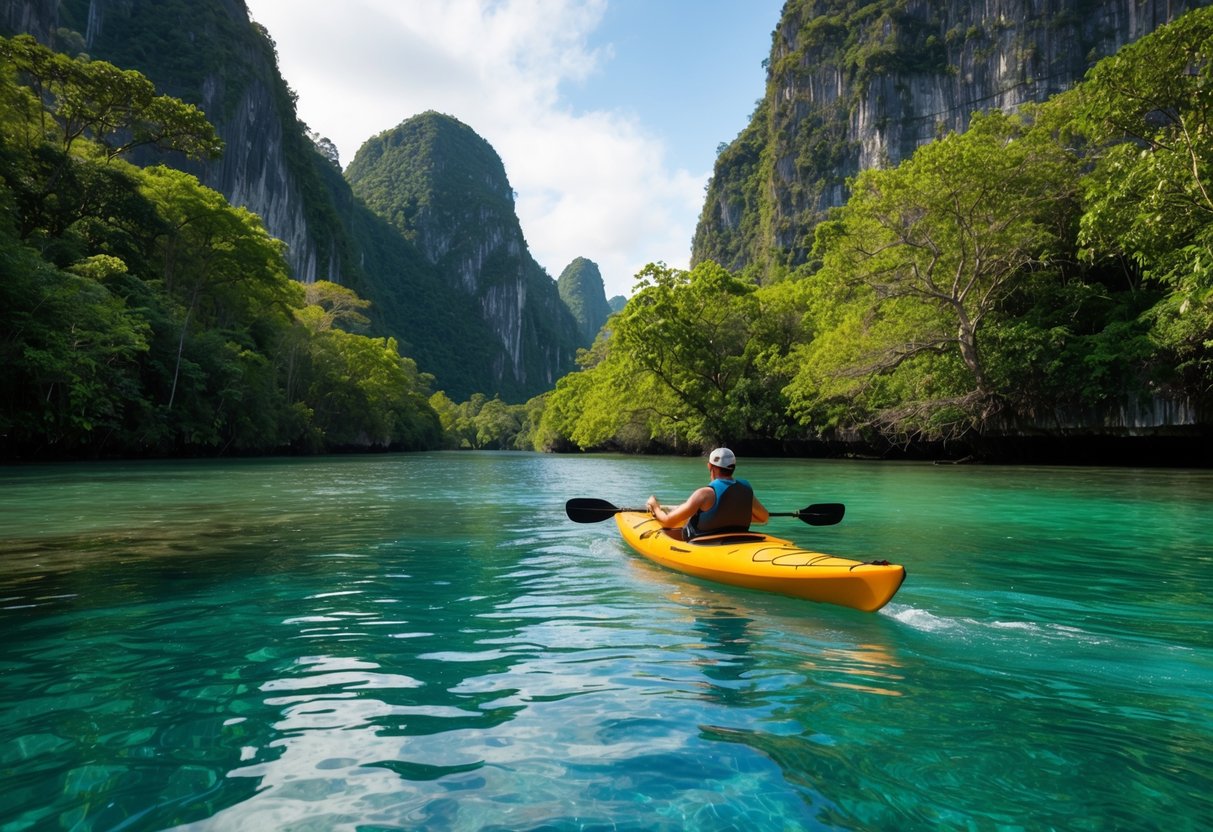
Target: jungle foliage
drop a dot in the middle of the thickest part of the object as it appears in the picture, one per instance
(141, 314)
(1047, 266)
(1037, 266)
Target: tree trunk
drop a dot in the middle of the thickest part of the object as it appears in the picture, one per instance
(966, 336)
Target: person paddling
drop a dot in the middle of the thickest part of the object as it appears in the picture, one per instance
(725, 504)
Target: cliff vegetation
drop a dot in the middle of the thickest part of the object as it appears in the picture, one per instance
(142, 314)
(582, 290)
(209, 54)
(858, 85)
(445, 191)
(1041, 273)
(928, 239)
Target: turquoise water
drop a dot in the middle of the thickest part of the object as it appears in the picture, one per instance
(425, 642)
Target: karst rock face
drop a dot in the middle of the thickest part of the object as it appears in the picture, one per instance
(445, 189)
(216, 58)
(853, 86)
(459, 290)
(583, 292)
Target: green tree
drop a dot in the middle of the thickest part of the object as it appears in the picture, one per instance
(530, 414)
(218, 263)
(918, 261)
(118, 109)
(693, 358)
(140, 313)
(498, 425)
(448, 415)
(1149, 200)
(686, 332)
(584, 410)
(364, 394)
(338, 305)
(465, 420)
(69, 354)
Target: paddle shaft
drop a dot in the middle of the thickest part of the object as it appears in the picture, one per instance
(591, 510)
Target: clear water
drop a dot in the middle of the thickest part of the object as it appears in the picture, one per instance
(425, 642)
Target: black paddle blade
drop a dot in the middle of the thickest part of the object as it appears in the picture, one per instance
(590, 510)
(821, 514)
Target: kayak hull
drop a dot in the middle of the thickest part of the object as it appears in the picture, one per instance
(761, 561)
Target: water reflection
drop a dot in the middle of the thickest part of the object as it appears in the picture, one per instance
(733, 646)
(728, 659)
(300, 645)
(872, 668)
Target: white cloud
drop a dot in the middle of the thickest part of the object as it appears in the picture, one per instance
(594, 184)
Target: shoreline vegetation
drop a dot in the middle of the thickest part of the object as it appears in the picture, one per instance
(1036, 289)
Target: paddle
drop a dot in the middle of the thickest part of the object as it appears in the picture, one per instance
(591, 510)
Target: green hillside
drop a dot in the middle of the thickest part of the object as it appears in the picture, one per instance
(444, 190)
(143, 315)
(583, 292)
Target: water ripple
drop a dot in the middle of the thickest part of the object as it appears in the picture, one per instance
(293, 645)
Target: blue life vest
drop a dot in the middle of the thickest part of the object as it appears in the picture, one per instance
(732, 511)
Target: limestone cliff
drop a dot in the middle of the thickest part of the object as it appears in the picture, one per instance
(210, 55)
(489, 338)
(36, 17)
(582, 290)
(445, 189)
(852, 86)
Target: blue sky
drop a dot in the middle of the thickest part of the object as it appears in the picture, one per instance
(606, 113)
(692, 69)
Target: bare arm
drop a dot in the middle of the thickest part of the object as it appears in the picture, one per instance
(759, 514)
(672, 518)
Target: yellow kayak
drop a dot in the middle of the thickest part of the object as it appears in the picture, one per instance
(760, 561)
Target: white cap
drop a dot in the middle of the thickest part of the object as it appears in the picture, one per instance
(722, 458)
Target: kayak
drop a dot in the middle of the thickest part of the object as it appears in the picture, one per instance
(761, 561)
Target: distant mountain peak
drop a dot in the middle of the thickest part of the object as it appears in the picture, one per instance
(444, 188)
(437, 247)
(582, 290)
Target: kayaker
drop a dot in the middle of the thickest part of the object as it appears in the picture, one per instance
(726, 504)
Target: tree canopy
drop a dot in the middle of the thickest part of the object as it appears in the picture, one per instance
(1150, 196)
(118, 109)
(144, 315)
(1045, 268)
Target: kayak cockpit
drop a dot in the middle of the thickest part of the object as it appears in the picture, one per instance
(724, 539)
